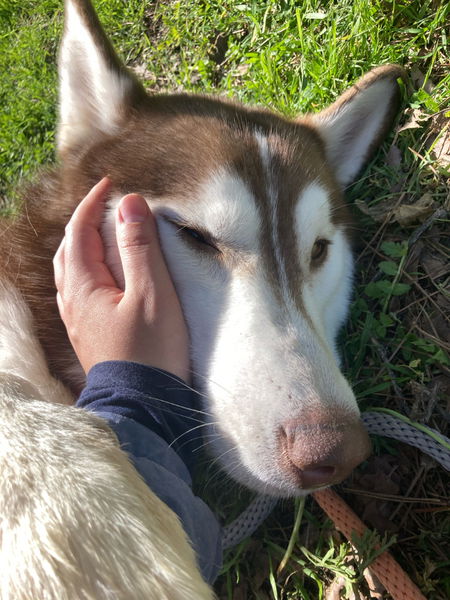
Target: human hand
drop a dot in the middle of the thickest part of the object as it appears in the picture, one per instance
(144, 322)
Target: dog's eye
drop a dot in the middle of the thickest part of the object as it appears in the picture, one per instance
(319, 250)
(194, 235)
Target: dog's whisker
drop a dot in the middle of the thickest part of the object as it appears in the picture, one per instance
(182, 383)
(220, 456)
(200, 437)
(187, 409)
(215, 436)
(233, 466)
(210, 380)
(190, 431)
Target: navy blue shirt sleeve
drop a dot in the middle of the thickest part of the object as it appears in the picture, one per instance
(153, 414)
(152, 397)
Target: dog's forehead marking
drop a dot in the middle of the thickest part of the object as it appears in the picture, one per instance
(242, 180)
(225, 206)
(269, 201)
(273, 244)
(297, 210)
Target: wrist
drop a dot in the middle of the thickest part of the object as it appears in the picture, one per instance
(131, 373)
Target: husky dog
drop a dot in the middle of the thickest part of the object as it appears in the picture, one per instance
(255, 231)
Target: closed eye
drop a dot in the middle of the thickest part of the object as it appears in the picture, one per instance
(196, 236)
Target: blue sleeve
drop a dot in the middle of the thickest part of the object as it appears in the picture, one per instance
(153, 414)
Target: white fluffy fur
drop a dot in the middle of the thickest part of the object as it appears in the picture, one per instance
(326, 295)
(92, 96)
(77, 520)
(22, 362)
(349, 130)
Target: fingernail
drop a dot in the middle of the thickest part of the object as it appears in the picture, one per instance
(133, 209)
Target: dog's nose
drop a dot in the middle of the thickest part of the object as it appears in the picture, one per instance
(322, 446)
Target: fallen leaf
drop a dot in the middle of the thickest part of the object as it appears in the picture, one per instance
(338, 585)
(333, 592)
(382, 475)
(438, 330)
(376, 589)
(416, 119)
(195, 76)
(443, 301)
(435, 266)
(143, 72)
(416, 212)
(394, 157)
(379, 212)
(441, 148)
(418, 80)
(413, 260)
(441, 383)
(242, 69)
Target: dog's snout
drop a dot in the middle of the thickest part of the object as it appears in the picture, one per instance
(322, 447)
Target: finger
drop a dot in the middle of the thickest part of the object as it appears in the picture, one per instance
(84, 250)
(60, 304)
(90, 210)
(84, 242)
(138, 243)
(58, 265)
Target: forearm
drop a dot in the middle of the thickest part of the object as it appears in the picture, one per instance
(153, 415)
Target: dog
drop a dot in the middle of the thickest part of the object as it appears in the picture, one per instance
(256, 235)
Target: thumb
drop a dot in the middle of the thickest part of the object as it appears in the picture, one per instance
(137, 239)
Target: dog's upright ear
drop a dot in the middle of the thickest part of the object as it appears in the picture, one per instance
(96, 91)
(354, 125)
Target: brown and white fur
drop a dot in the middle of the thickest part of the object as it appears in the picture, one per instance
(255, 231)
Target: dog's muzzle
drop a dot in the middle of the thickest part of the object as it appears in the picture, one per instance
(321, 447)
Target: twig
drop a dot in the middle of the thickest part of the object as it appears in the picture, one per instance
(385, 360)
(440, 213)
(440, 502)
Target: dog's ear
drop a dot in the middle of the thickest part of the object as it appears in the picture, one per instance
(354, 125)
(96, 90)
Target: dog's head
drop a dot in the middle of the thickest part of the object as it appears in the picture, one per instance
(256, 234)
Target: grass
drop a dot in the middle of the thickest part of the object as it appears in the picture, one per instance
(296, 56)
